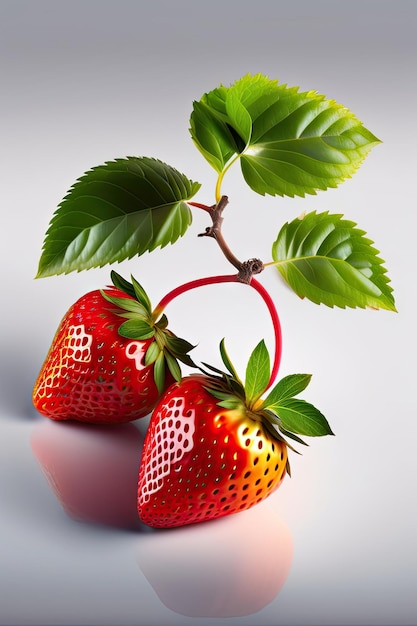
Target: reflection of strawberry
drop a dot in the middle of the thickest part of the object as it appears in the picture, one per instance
(222, 573)
(92, 470)
(213, 447)
(101, 369)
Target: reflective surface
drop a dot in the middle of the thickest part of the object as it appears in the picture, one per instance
(83, 83)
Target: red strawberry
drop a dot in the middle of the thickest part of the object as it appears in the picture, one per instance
(214, 448)
(102, 370)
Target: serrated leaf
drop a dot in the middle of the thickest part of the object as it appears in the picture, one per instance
(302, 418)
(117, 210)
(257, 372)
(211, 135)
(289, 143)
(136, 329)
(287, 387)
(328, 260)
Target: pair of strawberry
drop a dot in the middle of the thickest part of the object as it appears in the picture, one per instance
(213, 446)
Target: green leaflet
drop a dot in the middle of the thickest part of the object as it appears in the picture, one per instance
(289, 143)
(328, 260)
(115, 211)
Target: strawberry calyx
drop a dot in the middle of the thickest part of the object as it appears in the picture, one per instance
(282, 414)
(142, 324)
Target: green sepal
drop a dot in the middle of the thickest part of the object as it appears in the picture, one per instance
(141, 295)
(152, 353)
(302, 418)
(177, 345)
(257, 373)
(283, 416)
(226, 360)
(159, 372)
(288, 387)
(121, 283)
(162, 322)
(126, 305)
(173, 366)
(136, 329)
(227, 401)
(167, 349)
(290, 435)
(277, 433)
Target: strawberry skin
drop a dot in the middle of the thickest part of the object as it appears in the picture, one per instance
(91, 373)
(201, 461)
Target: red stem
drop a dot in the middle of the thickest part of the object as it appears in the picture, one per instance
(198, 205)
(277, 328)
(193, 284)
(232, 278)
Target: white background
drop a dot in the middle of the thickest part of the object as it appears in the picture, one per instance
(87, 82)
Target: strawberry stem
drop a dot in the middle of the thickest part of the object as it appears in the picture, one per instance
(193, 284)
(277, 328)
(232, 278)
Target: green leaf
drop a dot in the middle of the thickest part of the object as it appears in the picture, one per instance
(328, 260)
(289, 143)
(136, 329)
(115, 211)
(212, 136)
(257, 372)
(287, 387)
(298, 416)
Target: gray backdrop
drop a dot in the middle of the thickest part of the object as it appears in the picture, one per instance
(86, 82)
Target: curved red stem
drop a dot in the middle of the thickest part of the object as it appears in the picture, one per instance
(233, 278)
(193, 284)
(277, 328)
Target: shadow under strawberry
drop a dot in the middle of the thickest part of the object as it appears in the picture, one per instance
(92, 470)
(225, 568)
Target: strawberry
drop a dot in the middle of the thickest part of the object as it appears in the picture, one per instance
(214, 447)
(102, 370)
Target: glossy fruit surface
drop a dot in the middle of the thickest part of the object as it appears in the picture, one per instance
(93, 374)
(201, 461)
